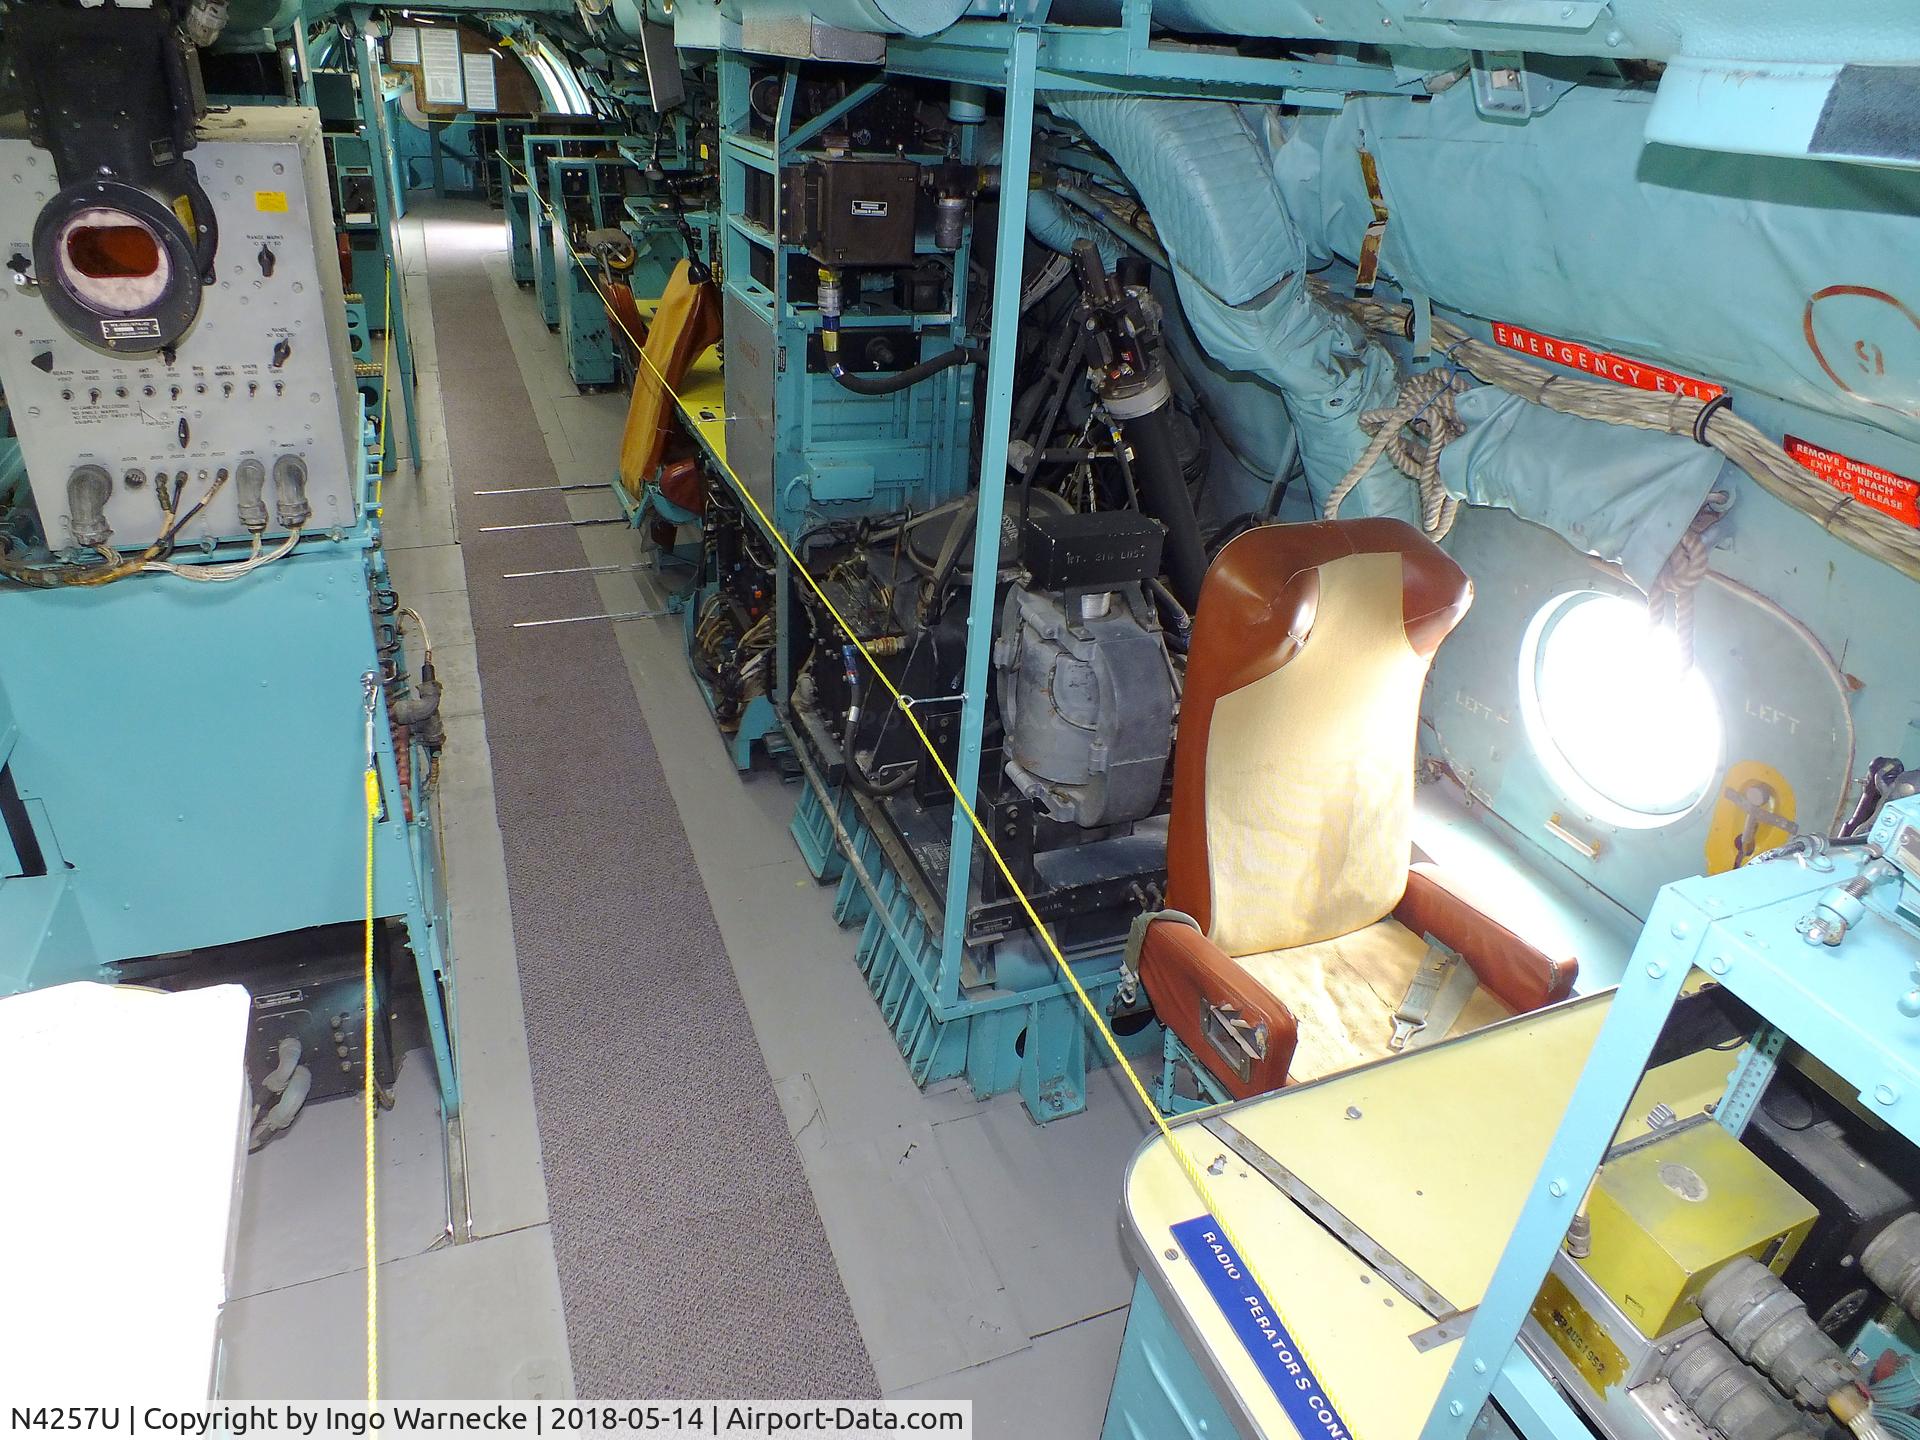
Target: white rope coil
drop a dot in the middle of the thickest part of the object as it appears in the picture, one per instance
(1411, 433)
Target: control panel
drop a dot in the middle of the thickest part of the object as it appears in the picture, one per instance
(254, 406)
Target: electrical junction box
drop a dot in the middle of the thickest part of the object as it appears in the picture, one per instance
(1668, 1214)
(849, 211)
(263, 373)
(1100, 550)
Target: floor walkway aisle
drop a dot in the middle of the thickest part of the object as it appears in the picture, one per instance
(692, 1259)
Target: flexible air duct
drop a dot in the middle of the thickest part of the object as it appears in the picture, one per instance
(1862, 32)
(872, 17)
(1240, 264)
(1794, 278)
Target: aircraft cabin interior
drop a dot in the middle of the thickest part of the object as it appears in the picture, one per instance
(1023, 719)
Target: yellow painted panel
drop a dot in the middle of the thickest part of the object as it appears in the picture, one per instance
(1441, 1191)
(1582, 1339)
(1453, 1136)
(1686, 1086)
(703, 403)
(1667, 1216)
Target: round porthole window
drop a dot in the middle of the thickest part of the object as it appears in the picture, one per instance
(1627, 732)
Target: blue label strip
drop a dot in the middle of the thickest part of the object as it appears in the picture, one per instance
(1257, 1324)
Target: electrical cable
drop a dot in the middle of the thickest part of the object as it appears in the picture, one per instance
(426, 640)
(1045, 281)
(1189, 1167)
(1129, 235)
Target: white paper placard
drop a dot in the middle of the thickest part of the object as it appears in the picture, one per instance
(403, 46)
(481, 92)
(440, 67)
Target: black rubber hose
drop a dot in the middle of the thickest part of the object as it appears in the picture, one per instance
(906, 379)
(1164, 495)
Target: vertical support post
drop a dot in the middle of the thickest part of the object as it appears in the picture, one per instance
(1009, 252)
(1659, 967)
(1749, 1079)
(373, 121)
(792, 401)
(303, 64)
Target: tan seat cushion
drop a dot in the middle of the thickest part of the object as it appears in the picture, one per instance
(1343, 993)
(1309, 779)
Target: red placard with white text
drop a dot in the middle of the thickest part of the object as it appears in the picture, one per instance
(1604, 363)
(1885, 491)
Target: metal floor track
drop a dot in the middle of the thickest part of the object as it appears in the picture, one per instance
(692, 1258)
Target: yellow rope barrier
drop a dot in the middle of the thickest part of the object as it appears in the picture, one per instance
(1188, 1165)
(373, 818)
(367, 1056)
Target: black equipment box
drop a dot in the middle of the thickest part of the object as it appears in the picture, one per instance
(308, 986)
(1098, 551)
(855, 211)
(865, 350)
(1797, 1132)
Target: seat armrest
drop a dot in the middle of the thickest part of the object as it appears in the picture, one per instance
(1517, 972)
(1198, 991)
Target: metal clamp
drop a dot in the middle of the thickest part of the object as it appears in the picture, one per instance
(1236, 1042)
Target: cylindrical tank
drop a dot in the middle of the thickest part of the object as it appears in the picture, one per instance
(1866, 32)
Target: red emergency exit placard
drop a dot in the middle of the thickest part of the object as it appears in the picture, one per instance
(1885, 491)
(1604, 363)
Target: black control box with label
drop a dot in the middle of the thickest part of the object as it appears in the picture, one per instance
(850, 211)
(1099, 551)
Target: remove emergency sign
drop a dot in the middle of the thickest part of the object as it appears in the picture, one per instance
(1885, 491)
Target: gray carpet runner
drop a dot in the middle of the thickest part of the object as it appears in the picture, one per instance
(692, 1260)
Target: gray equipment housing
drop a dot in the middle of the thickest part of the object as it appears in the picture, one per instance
(1086, 698)
(256, 380)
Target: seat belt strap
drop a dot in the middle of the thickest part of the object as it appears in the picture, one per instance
(1128, 991)
(1415, 1009)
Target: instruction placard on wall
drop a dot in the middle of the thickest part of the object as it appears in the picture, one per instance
(482, 94)
(442, 75)
(403, 46)
(1885, 491)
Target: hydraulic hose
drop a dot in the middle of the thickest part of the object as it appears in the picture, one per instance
(906, 379)
(1147, 425)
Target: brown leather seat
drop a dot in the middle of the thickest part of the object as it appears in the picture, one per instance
(1289, 840)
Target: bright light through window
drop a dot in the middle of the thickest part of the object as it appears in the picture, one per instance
(1621, 726)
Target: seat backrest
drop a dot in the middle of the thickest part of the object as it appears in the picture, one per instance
(685, 324)
(1293, 775)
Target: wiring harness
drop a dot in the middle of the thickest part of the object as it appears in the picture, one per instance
(1710, 422)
